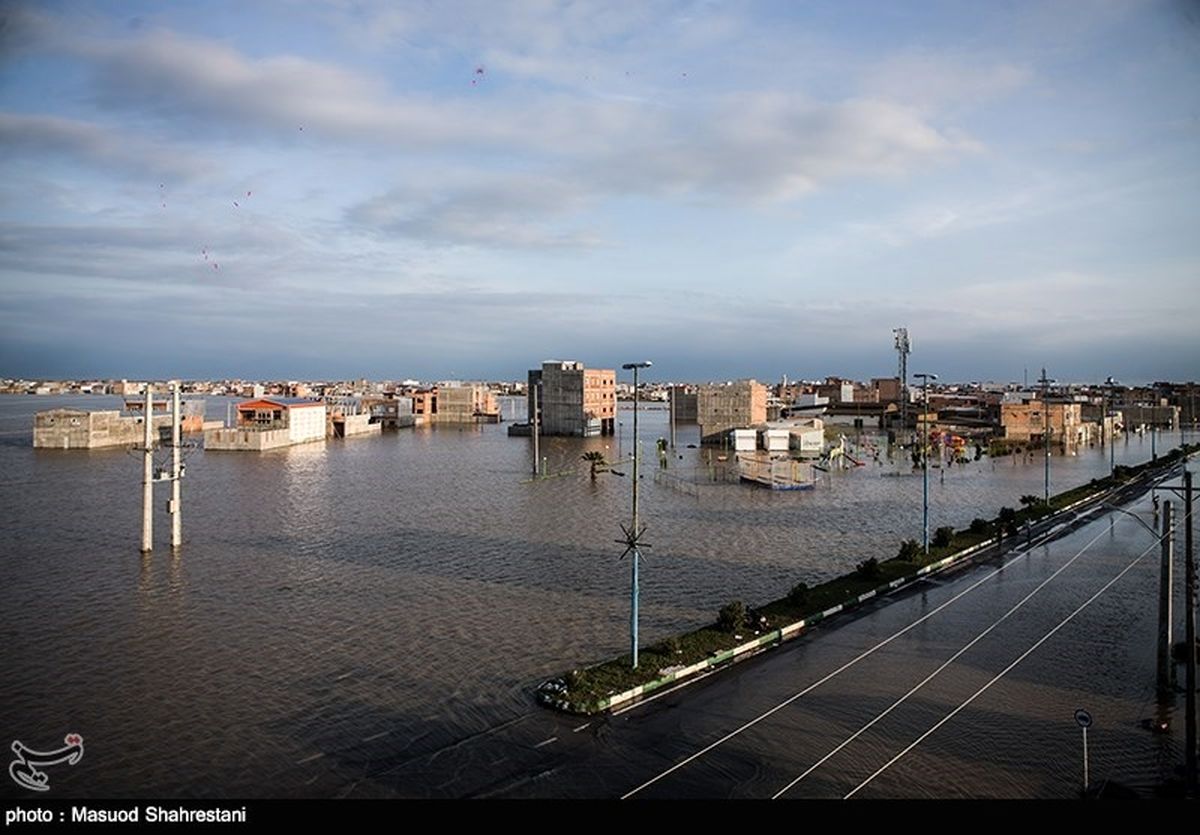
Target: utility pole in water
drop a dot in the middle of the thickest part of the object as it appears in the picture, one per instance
(1046, 381)
(148, 472)
(925, 378)
(176, 505)
(533, 427)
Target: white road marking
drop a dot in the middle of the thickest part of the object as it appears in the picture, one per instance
(546, 742)
(823, 680)
(932, 675)
(1002, 673)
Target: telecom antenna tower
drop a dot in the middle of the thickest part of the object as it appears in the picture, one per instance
(902, 348)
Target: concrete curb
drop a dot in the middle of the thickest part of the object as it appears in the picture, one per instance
(550, 695)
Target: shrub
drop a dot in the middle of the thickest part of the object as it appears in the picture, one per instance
(669, 646)
(979, 526)
(732, 616)
(798, 596)
(943, 536)
(910, 550)
(868, 569)
(1029, 500)
(1008, 521)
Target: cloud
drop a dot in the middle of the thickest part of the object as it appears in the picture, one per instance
(777, 146)
(937, 80)
(90, 143)
(504, 212)
(773, 144)
(767, 147)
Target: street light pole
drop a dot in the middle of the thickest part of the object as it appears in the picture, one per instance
(925, 378)
(1046, 381)
(632, 535)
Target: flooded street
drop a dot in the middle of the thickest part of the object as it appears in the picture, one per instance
(341, 609)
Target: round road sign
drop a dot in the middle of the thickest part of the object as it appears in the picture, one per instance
(1083, 718)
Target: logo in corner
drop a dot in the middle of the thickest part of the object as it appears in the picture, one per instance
(24, 769)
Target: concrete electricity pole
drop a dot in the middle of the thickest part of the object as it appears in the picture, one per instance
(1046, 381)
(176, 505)
(925, 378)
(1112, 422)
(534, 428)
(1189, 623)
(1189, 636)
(1166, 669)
(148, 472)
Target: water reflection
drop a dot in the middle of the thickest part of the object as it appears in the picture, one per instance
(414, 583)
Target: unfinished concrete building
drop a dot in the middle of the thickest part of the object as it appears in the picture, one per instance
(722, 407)
(1025, 422)
(81, 429)
(467, 403)
(573, 400)
(684, 403)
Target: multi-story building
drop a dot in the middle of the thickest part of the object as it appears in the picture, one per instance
(82, 429)
(573, 400)
(684, 402)
(268, 423)
(1184, 395)
(1025, 421)
(887, 389)
(467, 403)
(424, 403)
(722, 407)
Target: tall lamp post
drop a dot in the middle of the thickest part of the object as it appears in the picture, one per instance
(634, 533)
(925, 378)
(1108, 413)
(1046, 381)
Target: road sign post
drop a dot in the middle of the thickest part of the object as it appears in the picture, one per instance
(1084, 720)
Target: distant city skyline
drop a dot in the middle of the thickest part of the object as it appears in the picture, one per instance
(461, 190)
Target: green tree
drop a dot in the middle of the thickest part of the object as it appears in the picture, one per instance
(598, 464)
(732, 616)
(1008, 521)
(868, 569)
(798, 596)
(943, 536)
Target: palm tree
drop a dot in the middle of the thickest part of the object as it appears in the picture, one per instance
(596, 459)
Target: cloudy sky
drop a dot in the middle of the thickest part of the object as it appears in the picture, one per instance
(459, 190)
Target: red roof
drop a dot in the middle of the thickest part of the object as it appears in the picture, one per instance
(283, 403)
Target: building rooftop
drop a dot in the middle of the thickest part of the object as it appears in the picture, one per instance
(284, 401)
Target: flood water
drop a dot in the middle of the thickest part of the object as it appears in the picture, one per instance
(371, 600)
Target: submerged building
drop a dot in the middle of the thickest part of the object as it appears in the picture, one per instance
(573, 400)
(270, 423)
(467, 403)
(1026, 421)
(83, 429)
(722, 407)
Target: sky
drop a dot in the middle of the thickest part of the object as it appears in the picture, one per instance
(460, 190)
